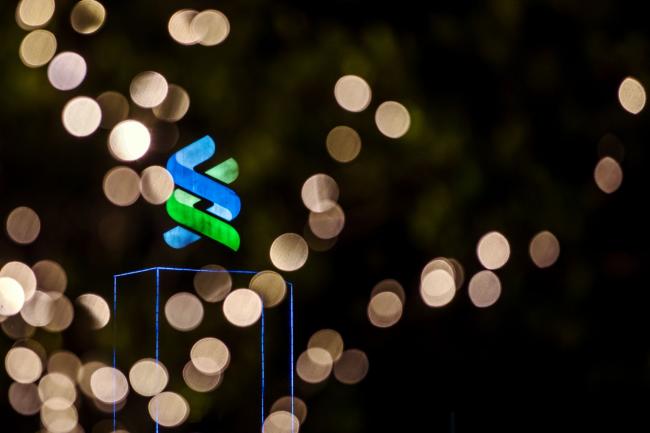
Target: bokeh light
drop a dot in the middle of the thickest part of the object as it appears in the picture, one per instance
(285, 404)
(484, 289)
(329, 340)
(493, 250)
(352, 93)
(242, 307)
(66, 71)
(392, 119)
(121, 186)
(389, 285)
(198, 381)
(169, 409)
(148, 377)
(64, 362)
(281, 421)
(210, 356)
(35, 13)
(437, 288)
(289, 252)
(51, 277)
(608, 175)
(327, 224)
(23, 275)
(129, 140)
(343, 144)
(109, 385)
(57, 391)
(210, 27)
(39, 310)
(148, 89)
(319, 193)
(314, 365)
(184, 311)
(213, 286)
(87, 16)
(115, 108)
(384, 309)
(37, 48)
(179, 27)
(352, 368)
(81, 116)
(23, 365)
(12, 296)
(156, 184)
(23, 225)
(175, 105)
(59, 421)
(544, 249)
(270, 286)
(95, 309)
(63, 315)
(631, 95)
(24, 399)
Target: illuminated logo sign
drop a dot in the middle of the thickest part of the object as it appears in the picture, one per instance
(192, 187)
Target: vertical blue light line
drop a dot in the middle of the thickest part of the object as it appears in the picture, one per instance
(157, 330)
(114, 348)
(263, 373)
(291, 351)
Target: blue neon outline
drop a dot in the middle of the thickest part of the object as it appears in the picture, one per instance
(157, 331)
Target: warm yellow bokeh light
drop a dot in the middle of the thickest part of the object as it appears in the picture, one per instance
(156, 184)
(493, 250)
(12, 296)
(87, 16)
(392, 119)
(129, 140)
(109, 385)
(184, 311)
(384, 309)
(210, 356)
(270, 286)
(210, 27)
(37, 48)
(23, 276)
(289, 252)
(352, 93)
(148, 89)
(148, 377)
(35, 13)
(179, 27)
(198, 381)
(63, 315)
(438, 288)
(81, 116)
(121, 186)
(242, 307)
(95, 309)
(314, 365)
(631, 95)
(319, 193)
(169, 409)
(343, 144)
(23, 365)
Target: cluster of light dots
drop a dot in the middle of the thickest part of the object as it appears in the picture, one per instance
(123, 185)
(190, 27)
(325, 355)
(608, 173)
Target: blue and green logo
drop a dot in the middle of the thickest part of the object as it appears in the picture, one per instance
(192, 187)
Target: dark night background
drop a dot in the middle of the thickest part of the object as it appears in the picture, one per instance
(508, 102)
